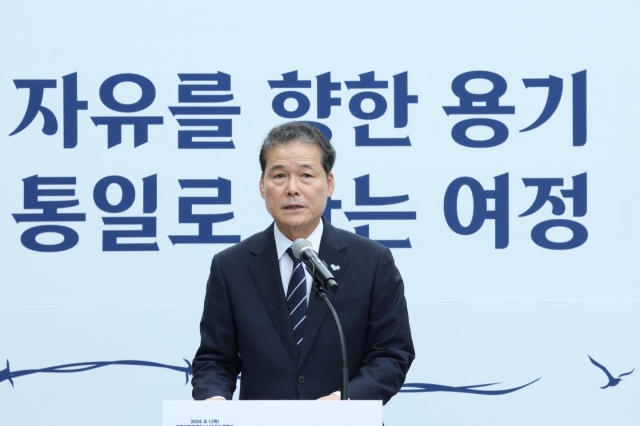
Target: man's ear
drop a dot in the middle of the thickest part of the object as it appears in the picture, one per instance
(262, 185)
(330, 184)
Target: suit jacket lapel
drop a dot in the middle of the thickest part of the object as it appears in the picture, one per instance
(265, 271)
(330, 247)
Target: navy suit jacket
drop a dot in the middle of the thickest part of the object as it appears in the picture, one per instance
(245, 325)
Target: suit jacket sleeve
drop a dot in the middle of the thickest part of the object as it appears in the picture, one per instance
(216, 364)
(389, 347)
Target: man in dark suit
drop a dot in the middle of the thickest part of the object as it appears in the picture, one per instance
(258, 317)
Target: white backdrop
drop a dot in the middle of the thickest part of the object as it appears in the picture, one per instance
(479, 315)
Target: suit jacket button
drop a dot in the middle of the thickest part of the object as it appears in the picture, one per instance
(301, 379)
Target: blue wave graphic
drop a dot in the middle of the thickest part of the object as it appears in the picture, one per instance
(429, 387)
(9, 375)
(79, 367)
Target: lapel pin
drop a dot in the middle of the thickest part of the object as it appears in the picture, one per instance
(334, 267)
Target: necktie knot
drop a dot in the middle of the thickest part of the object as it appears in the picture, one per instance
(295, 259)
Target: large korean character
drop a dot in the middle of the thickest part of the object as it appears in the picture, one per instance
(37, 190)
(554, 94)
(70, 107)
(140, 123)
(479, 104)
(331, 205)
(204, 221)
(281, 103)
(481, 212)
(111, 237)
(204, 124)
(364, 198)
(578, 194)
(370, 91)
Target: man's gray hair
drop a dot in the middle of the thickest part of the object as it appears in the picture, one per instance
(298, 131)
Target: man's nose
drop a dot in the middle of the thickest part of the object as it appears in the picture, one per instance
(292, 188)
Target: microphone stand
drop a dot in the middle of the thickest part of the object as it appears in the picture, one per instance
(344, 370)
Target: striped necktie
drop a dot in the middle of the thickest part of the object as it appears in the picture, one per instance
(297, 297)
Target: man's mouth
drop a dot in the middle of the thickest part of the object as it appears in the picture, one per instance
(293, 207)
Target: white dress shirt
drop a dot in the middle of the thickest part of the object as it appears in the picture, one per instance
(286, 264)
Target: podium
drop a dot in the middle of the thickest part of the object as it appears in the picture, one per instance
(271, 413)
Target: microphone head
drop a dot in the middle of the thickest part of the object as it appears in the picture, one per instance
(299, 246)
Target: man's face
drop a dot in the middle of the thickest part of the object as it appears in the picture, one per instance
(295, 188)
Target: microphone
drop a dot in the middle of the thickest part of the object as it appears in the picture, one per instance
(303, 250)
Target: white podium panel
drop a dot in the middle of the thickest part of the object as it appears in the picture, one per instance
(271, 413)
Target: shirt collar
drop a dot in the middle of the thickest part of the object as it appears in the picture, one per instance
(283, 243)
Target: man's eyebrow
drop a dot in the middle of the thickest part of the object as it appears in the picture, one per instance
(276, 167)
(301, 165)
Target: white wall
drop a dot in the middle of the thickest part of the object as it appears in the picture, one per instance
(479, 315)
